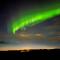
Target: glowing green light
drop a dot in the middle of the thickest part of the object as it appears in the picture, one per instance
(33, 19)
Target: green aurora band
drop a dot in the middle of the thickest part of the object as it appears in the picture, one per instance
(33, 19)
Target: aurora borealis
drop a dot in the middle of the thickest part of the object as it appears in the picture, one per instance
(33, 19)
(29, 25)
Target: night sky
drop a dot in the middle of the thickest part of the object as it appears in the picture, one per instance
(50, 29)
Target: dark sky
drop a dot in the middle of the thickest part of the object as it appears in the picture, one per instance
(10, 9)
